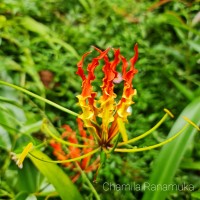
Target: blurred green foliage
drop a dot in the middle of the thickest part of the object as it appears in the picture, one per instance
(52, 35)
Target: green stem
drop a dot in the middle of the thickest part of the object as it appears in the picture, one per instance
(40, 98)
(68, 160)
(45, 129)
(88, 182)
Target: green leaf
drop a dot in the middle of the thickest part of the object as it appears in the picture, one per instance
(183, 89)
(34, 26)
(194, 45)
(43, 30)
(5, 141)
(21, 195)
(28, 178)
(196, 195)
(7, 100)
(31, 197)
(56, 177)
(8, 121)
(2, 21)
(190, 165)
(171, 17)
(66, 46)
(7, 116)
(171, 154)
(32, 127)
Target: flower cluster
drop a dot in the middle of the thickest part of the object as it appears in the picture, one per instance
(62, 153)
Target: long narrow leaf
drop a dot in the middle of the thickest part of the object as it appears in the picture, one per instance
(56, 177)
(183, 89)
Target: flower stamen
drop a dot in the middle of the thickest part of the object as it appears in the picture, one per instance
(47, 130)
(68, 160)
(153, 146)
(168, 113)
(192, 123)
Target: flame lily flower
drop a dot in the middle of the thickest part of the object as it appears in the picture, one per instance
(111, 113)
